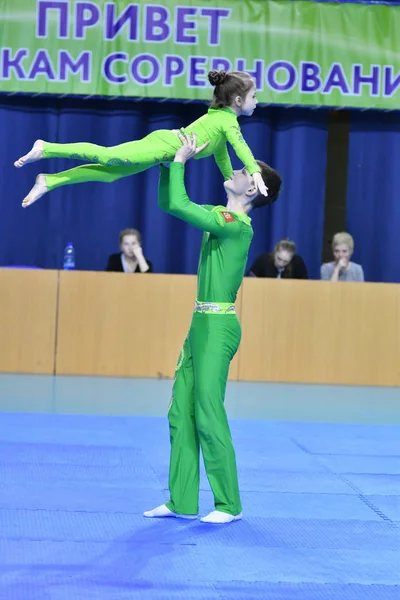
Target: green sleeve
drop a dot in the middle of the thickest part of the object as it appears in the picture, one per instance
(163, 188)
(177, 203)
(223, 161)
(243, 152)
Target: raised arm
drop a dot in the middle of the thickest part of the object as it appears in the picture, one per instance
(176, 202)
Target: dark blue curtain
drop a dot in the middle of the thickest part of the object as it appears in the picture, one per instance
(373, 206)
(92, 214)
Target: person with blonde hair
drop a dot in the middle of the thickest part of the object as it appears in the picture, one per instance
(341, 268)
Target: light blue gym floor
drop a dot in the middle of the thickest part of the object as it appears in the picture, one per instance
(82, 458)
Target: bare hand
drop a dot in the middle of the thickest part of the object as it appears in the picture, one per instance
(342, 264)
(260, 185)
(137, 250)
(188, 148)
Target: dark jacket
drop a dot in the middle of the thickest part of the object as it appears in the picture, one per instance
(115, 264)
(264, 266)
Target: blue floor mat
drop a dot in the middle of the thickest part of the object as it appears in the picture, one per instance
(321, 513)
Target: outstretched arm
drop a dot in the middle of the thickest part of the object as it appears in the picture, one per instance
(223, 161)
(242, 150)
(174, 200)
(236, 139)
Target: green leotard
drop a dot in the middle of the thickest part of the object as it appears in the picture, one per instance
(197, 416)
(219, 126)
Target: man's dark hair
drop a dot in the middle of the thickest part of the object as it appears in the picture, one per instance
(273, 181)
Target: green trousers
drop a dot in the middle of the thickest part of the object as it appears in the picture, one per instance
(197, 416)
(114, 162)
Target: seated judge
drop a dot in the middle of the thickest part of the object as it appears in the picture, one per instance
(282, 263)
(342, 268)
(131, 258)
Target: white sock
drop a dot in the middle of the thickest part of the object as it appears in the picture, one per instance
(164, 512)
(219, 517)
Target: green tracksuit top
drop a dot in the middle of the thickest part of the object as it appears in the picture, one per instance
(218, 126)
(226, 240)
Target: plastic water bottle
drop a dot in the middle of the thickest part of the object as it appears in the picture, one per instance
(69, 257)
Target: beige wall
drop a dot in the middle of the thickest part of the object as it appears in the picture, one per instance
(113, 324)
(91, 323)
(28, 304)
(320, 332)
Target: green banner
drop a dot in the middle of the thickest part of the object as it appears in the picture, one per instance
(343, 55)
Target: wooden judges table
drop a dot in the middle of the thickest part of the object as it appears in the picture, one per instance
(90, 323)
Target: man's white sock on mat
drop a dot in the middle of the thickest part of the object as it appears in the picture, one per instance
(164, 512)
(218, 517)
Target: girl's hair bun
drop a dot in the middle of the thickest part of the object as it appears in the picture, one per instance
(217, 77)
